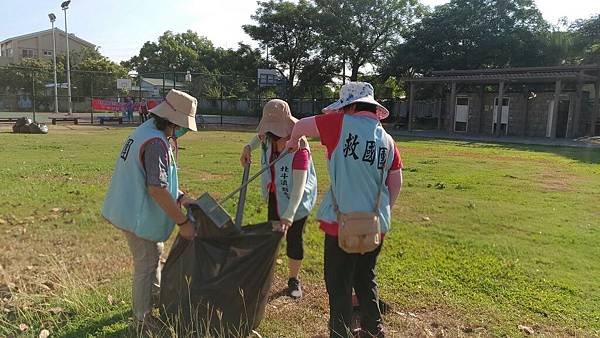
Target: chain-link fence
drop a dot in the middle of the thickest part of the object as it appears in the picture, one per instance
(222, 99)
(30, 92)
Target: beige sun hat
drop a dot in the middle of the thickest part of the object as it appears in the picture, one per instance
(277, 119)
(179, 108)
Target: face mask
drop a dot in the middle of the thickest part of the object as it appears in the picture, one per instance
(179, 132)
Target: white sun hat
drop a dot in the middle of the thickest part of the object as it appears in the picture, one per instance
(354, 92)
(179, 108)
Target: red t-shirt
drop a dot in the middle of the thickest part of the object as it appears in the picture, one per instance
(330, 128)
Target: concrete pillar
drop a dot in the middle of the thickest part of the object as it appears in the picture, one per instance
(452, 108)
(557, 90)
(499, 112)
(439, 118)
(411, 101)
(595, 110)
(481, 108)
(573, 127)
(526, 117)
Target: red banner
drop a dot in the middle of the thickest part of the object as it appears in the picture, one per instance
(107, 105)
(114, 106)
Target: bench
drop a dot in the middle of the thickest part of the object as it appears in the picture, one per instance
(74, 119)
(9, 119)
(103, 119)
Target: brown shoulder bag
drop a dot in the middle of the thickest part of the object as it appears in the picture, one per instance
(359, 232)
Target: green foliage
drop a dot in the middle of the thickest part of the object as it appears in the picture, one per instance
(23, 77)
(360, 30)
(468, 34)
(95, 74)
(288, 30)
(587, 39)
(216, 67)
(183, 51)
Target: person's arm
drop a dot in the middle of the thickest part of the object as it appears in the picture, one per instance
(155, 160)
(394, 178)
(299, 177)
(394, 184)
(304, 127)
(246, 157)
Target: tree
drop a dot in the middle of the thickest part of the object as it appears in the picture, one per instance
(359, 30)
(183, 51)
(93, 74)
(586, 34)
(190, 52)
(287, 29)
(468, 34)
(314, 78)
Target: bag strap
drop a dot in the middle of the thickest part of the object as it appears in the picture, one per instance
(381, 183)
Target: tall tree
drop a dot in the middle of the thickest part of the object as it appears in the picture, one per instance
(287, 29)
(183, 51)
(466, 34)
(359, 30)
(314, 78)
(94, 74)
(587, 38)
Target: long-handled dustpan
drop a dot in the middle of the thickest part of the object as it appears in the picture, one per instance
(217, 214)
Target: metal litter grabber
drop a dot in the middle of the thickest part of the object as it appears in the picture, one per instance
(217, 214)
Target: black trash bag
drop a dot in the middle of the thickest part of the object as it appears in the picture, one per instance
(37, 128)
(22, 125)
(207, 228)
(23, 121)
(219, 284)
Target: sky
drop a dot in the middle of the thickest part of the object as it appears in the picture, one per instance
(121, 27)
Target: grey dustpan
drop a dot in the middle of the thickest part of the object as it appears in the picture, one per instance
(216, 213)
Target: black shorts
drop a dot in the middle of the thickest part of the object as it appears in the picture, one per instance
(294, 238)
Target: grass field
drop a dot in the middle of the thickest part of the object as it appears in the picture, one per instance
(485, 237)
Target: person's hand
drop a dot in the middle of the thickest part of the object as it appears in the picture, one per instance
(286, 224)
(185, 200)
(246, 157)
(292, 146)
(282, 226)
(187, 230)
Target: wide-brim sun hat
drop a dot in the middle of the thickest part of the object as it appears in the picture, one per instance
(354, 92)
(179, 108)
(276, 118)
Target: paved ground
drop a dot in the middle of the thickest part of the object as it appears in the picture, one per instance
(87, 117)
(583, 142)
(247, 121)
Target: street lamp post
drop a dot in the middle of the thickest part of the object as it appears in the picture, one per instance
(65, 6)
(52, 18)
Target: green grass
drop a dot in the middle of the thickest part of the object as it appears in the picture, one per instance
(492, 236)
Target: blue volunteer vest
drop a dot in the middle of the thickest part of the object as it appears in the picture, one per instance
(364, 149)
(127, 204)
(284, 181)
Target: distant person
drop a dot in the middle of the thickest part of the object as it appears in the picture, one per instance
(289, 187)
(129, 103)
(143, 111)
(144, 200)
(365, 170)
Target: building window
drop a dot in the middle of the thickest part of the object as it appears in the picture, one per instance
(29, 53)
(47, 53)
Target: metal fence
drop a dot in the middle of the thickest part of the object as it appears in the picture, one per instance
(222, 99)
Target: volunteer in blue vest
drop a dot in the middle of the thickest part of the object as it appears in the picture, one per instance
(358, 149)
(144, 200)
(290, 186)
